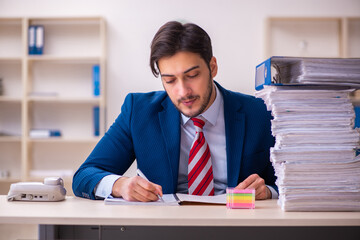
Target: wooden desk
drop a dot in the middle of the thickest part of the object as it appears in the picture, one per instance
(78, 211)
(87, 212)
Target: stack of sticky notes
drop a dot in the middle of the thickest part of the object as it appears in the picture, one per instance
(240, 198)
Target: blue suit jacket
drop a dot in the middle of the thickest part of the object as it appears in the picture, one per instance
(148, 130)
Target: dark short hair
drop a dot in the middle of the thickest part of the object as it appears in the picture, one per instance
(174, 37)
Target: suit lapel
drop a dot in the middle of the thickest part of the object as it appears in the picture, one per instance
(169, 119)
(235, 133)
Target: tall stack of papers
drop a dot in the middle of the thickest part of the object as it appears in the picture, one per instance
(314, 156)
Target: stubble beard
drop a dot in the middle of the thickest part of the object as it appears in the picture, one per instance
(203, 106)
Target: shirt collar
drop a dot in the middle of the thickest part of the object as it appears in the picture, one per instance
(211, 114)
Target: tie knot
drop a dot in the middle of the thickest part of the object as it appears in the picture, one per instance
(198, 122)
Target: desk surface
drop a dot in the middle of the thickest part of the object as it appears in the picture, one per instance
(78, 211)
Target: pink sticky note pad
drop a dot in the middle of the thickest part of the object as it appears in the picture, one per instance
(240, 198)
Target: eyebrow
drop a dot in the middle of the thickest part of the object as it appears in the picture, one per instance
(186, 71)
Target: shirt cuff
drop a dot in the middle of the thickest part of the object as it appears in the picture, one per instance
(104, 187)
(274, 194)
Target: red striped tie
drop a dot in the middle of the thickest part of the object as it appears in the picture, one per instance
(200, 173)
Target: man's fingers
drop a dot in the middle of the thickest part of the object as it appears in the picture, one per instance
(248, 182)
(152, 187)
(136, 189)
(144, 196)
(158, 190)
(257, 183)
(261, 190)
(147, 190)
(254, 181)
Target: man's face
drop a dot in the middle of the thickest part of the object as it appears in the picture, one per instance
(188, 82)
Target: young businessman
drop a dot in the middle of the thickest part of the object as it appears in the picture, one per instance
(158, 128)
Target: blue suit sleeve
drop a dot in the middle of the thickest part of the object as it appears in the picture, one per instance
(113, 154)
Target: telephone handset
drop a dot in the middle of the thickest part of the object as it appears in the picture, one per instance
(51, 190)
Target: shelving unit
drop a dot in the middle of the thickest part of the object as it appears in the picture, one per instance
(49, 91)
(312, 37)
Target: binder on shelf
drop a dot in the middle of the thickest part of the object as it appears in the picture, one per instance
(279, 70)
(44, 133)
(36, 39)
(31, 39)
(96, 79)
(96, 117)
(39, 43)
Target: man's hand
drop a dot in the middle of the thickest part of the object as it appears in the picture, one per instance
(136, 189)
(257, 183)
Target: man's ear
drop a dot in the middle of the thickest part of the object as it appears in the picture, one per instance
(213, 67)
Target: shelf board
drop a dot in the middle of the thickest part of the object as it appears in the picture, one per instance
(67, 59)
(10, 59)
(64, 140)
(9, 180)
(57, 99)
(66, 179)
(7, 19)
(309, 19)
(61, 20)
(10, 99)
(10, 139)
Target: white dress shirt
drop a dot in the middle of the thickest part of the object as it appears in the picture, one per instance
(214, 132)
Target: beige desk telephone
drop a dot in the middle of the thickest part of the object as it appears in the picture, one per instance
(51, 190)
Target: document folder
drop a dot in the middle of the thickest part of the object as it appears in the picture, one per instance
(36, 39)
(39, 42)
(31, 39)
(96, 80)
(279, 70)
(96, 117)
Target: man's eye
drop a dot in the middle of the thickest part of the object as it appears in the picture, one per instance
(169, 81)
(193, 75)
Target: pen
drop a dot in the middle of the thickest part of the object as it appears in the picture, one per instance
(139, 172)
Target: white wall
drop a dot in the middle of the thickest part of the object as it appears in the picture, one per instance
(235, 26)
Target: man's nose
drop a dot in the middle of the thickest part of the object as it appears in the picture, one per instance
(183, 89)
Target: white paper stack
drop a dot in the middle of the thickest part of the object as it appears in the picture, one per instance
(329, 71)
(314, 156)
